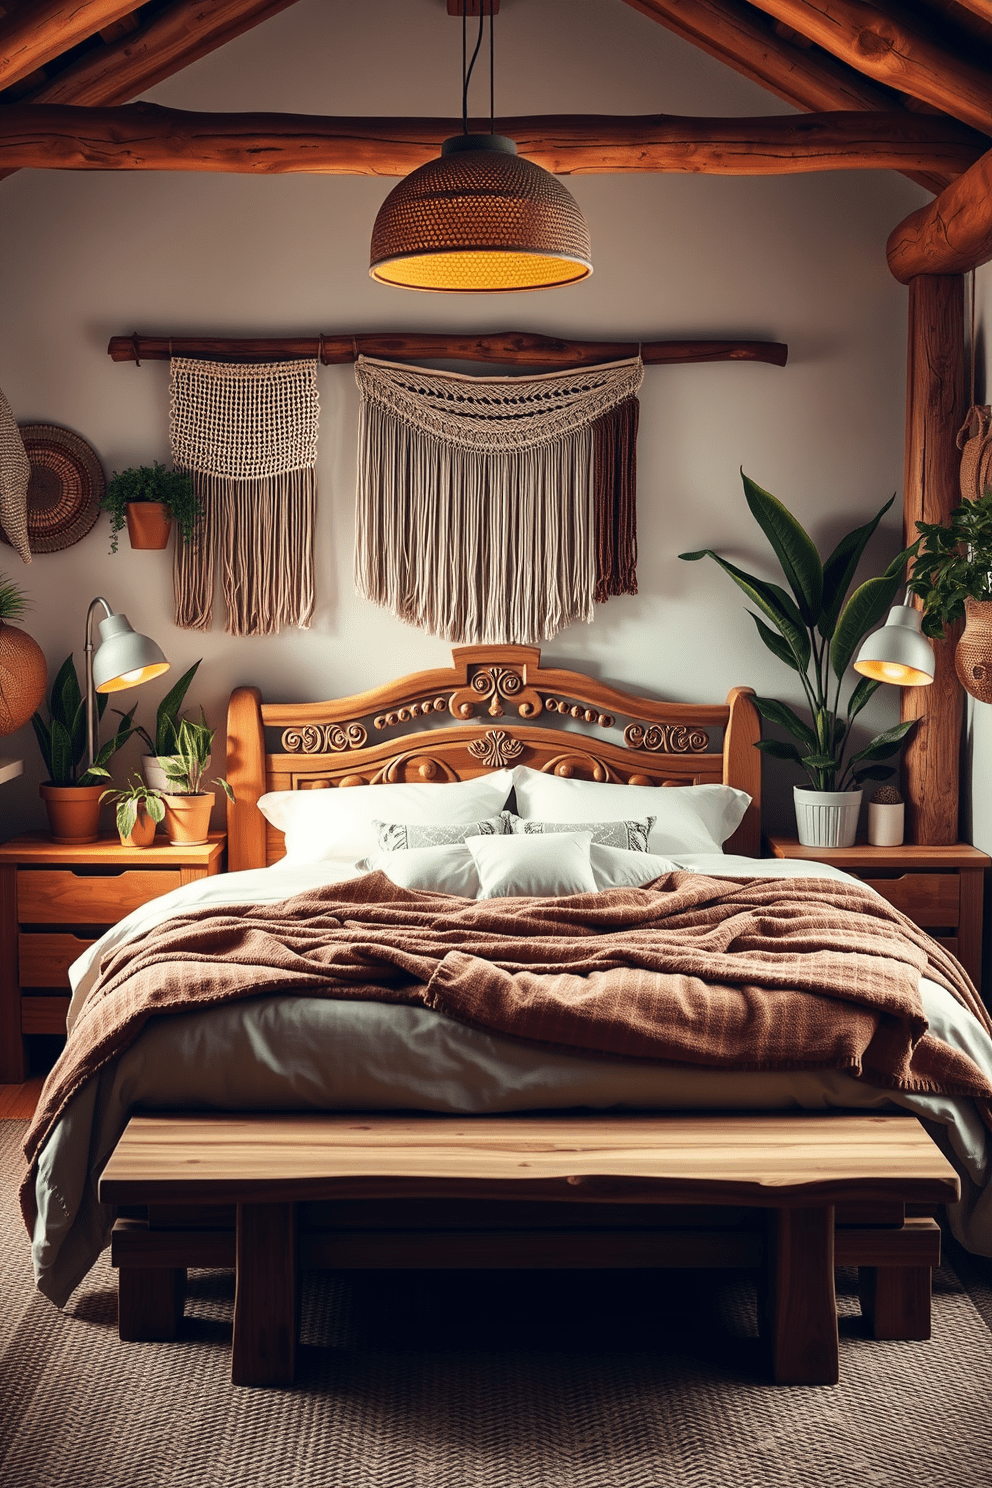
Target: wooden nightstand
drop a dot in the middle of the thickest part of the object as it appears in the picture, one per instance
(54, 902)
(938, 887)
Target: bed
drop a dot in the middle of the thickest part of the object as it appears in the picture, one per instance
(495, 710)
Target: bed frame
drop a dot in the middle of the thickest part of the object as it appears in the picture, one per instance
(495, 707)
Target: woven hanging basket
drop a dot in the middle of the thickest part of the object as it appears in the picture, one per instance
(23, 678)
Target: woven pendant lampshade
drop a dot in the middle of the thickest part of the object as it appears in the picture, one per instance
(480, 220)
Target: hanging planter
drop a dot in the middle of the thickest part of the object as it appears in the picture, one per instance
(952, 574)
(146, 499)
(973, 653)
(148, 523)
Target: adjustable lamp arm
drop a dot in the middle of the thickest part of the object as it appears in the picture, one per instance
(91, 743)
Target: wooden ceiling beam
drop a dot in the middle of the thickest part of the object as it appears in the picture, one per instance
(145, 136)
(30, 38)
(730, 32)
(892, 52)
(950, 235)
(159, 47)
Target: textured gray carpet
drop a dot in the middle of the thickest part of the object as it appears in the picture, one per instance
(483, 1381)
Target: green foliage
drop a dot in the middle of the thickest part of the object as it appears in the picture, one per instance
(152, 483)
(185, 769)
(136, 794)
(953, 563)
(62, 736)
(13, 600)
(815, 630)
(167, 717)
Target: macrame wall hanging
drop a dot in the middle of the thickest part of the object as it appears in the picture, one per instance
(496, 509)
(247, 435)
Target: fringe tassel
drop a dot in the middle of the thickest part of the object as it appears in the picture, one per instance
(615, 445)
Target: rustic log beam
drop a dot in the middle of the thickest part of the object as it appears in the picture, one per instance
(32, 36)
(145, 136)
(950, 235)
(935, 411)
(729, 31)
(891, 52)
(172, 39)
(517, 348)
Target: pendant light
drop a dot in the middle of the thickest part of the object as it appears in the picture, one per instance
(898, 653)
(479, 220)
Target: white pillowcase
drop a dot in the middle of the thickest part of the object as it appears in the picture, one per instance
(688, 818)
(621, 868)
(336, 824)
(451, 869)
(544, 865)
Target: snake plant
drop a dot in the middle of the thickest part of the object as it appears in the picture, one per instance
(815, 631)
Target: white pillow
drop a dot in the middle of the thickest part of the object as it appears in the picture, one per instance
(397, 836)
(688, 818)
(337, 823)
(619, 868)
(630, 835)
(550, 863)
(449, 869)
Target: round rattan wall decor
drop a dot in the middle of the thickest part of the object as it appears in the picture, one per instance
(67, 482)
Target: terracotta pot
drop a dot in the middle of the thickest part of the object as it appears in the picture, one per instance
(187, 818)
(23, 677)
(148, 523)
(973, 653)
(73, 811)
(142, 834)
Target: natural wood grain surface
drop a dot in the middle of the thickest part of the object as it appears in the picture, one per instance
(12, 1062)
(32, 35)
(37, 848)
(18, 1101)
(863, 858)
(44, 1014)
(60, 896)
(803, 1312)
(44, 960)
(266, 1296)
(951, 235)
(762, 1160)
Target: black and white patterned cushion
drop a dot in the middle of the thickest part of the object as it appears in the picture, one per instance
(632, 835)
(397, 836)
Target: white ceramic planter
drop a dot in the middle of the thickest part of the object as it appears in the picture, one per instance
(153, 769)
(827, 818)
(886, 823)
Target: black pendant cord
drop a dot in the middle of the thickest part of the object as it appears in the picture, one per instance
(467, 75)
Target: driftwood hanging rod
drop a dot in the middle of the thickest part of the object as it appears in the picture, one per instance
(520, 348)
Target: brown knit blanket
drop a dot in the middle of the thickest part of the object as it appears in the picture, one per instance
(755, 974)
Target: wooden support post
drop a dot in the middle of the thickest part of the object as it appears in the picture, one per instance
(935, 411)
(13, 1067)
(802, 1301)
(150, 1303)
(895, 1300)
(265, 1296)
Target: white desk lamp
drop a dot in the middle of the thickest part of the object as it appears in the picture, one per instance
(123, 659)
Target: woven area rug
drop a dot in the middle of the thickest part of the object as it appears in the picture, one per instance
(559, 1380)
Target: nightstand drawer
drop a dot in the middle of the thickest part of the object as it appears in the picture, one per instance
(927, 898)
(44, 960)
(55, 896)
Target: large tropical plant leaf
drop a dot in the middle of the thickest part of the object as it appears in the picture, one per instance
(866, 689)
(884, 745)
(777, 644)
(65, 696)
(793, 546)
(779, 749)
(772, 600)
(63, 764)
(166, 719)
(873, 772)
(783, 715)
(840, 568)
(43, 733)
(862, 613)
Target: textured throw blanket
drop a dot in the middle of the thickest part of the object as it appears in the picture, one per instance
(755, 974)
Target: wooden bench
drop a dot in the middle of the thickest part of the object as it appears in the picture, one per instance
(792, 1195)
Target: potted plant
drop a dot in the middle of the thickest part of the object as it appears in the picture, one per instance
(817, 631)
(72, 794)
(23, 673)
(952, 574)
(139, 810)
(163, 746)
(187, 805)
(147, 498)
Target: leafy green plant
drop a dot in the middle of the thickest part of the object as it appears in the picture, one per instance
(62, 736)
(13, 600)
(953, 563)
(130, 799)
(818, 629)
(167, 717)
(185, 768)
(151, 483)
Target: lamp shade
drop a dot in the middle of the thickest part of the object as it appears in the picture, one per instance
(898, 653)
(124, 658)
(480, 220)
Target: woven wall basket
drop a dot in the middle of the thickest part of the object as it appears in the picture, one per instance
(67, 482)
(973, 653)
(23, 678)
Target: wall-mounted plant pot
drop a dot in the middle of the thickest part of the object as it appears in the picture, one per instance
(187, 818)
(973, 653)
(148, 523)
(827, 818)
(142, 834)
(73, 811)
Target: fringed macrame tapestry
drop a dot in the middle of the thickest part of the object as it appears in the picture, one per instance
(247, 435)
(496, 509)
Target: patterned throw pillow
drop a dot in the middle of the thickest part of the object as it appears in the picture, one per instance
(397, 836)
(632, 835)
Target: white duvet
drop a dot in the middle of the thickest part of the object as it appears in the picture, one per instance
(302, 1053)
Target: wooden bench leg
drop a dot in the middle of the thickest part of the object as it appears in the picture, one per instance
(802, 1303)
(149, 1303)
(896, 1300)
(265, 1295)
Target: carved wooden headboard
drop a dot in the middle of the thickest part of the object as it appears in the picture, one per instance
(508, 710)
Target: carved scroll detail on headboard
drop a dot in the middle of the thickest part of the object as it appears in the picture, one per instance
(496, 748)
(579, 711)
(324, 738)
(566, 765)
(665, 738)
(428, 767)
(497, 684)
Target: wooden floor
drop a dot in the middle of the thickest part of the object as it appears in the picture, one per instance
(17, 1102)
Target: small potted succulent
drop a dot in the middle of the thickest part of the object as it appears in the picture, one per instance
(140, 808)
(72, 793)
(188, 805)
(147, 498)
(952, 574)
